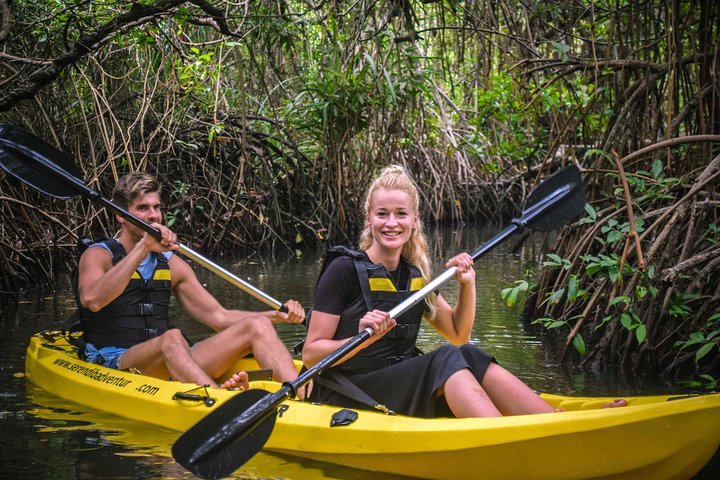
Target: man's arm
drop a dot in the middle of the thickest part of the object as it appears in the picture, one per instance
(99, 282)
(202, 306)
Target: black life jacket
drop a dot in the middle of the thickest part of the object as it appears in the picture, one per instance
(139, 313)
(379, 292)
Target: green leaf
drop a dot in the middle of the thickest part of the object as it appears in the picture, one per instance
(614, 236)
(591, 215)
(596, 151)
(704, 350)
(556, 296)
(573, 288)
(509, 295)
(579, 344)
(626, 320)
(641, 334)
(657, 168)
(620, 298)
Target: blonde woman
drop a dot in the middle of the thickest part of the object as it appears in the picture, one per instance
(355, 291)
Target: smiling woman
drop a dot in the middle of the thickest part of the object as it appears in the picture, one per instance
(457, 380)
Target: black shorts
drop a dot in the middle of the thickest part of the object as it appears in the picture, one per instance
(410, 387)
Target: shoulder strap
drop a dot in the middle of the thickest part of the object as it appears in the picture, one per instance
(360, 261)
(361, 269)
(335, 252)
(116, 249)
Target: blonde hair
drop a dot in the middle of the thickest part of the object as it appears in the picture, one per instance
(133, 186)
(396, 177)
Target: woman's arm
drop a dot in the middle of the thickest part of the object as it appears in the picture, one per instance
(319, 343)
(455, 324)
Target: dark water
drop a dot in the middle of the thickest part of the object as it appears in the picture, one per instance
(46, 437)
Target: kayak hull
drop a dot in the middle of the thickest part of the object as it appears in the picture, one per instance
(654, 437)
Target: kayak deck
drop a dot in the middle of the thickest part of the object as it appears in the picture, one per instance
(654, 437)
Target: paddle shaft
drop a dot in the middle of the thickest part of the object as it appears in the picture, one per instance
(527, 218)
(191, 254)
(267, 406)
(194, 256)
(81, 188)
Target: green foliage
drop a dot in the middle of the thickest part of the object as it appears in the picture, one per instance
(651, 185)
(680, 304)
(615, 231)
(196, 74)
(557, 262)
(504, 126)
(598, 266)
(705, 341)
(549, 323)
(591, 217)
(712, 234)
(510, 295)
(603, 265)
(631, 321)
(704, 380)
(339, 101)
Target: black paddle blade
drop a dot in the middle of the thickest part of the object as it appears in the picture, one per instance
(36, 162)
(559, 199)
(227, 455)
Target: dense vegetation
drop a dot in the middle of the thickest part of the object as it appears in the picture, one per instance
(267, 119)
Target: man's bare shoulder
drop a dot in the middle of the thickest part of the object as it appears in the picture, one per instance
(96, 255)
(180, 269)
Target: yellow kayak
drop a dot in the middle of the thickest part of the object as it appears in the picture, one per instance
(654, 437)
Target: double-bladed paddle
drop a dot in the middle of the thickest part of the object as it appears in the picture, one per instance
(49, 170)
(233, 433)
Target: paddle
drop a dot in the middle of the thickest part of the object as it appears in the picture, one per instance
(233, 433)
(47, 169)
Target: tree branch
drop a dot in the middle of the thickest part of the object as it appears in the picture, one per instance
(136, 16)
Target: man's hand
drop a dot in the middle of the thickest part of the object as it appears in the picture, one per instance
(295, 313)
(167, 242)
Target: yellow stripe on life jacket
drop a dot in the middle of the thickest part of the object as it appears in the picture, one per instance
(162, 274)
(416, 283)
(381, 285)
(386, 285)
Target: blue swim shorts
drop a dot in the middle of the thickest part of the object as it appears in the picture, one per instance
(106, 356)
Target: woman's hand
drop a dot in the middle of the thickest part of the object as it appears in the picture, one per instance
(379, 321)
(465, 273)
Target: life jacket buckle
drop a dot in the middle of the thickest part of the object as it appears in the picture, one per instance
(401, 329)
(145, 309)
(393, 360)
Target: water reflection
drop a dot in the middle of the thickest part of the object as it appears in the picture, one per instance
(103, 446)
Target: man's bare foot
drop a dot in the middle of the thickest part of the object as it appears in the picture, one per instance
(620, 402)
(237, 380)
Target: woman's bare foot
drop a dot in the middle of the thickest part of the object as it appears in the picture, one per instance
(620, 402)
(237, 380)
